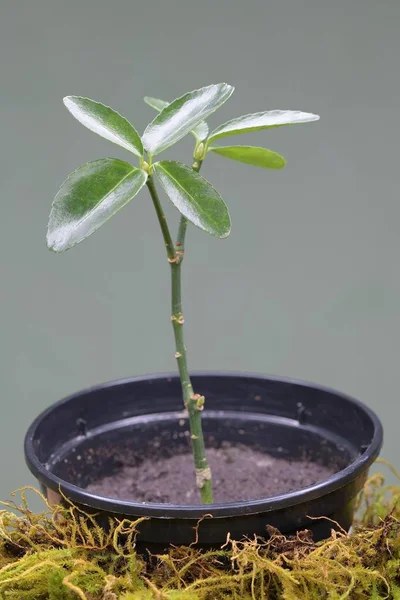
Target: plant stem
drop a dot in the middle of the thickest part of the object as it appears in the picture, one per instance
(169, 244)
(194, 403)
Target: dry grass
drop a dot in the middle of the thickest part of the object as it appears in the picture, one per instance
(62, 554)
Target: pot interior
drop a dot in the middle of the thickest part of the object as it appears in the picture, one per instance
(91, 434)
(102, 452)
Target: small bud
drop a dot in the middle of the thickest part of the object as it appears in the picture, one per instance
(199, 401)
(178, 319)
(146, 167)
(199, 152)
(178, 355)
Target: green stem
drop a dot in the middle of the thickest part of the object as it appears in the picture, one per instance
(169, 244)
(194, 403)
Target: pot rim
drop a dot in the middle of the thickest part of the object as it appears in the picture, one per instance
(197, 511)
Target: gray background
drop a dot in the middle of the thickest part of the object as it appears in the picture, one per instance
(308, 284)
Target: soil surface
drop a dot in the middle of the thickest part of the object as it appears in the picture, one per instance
(239, 473)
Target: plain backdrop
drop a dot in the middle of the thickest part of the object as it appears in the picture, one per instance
(308, 283)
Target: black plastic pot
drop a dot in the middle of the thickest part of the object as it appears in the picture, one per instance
(80, 438)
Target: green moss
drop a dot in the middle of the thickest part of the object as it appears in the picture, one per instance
(61, 554)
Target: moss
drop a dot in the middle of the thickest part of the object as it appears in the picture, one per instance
(61, 554)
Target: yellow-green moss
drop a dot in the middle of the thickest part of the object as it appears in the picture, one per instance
(61, 554)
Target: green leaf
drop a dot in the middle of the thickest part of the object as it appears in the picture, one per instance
(251, 155)
(200, 132)
(88, 198)
(155, 103)
(262, 120)
(194, 197)
(182, 115)
(106, 122)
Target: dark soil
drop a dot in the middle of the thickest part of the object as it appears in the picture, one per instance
(239, 473)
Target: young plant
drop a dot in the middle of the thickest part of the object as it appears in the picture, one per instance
(98, 189)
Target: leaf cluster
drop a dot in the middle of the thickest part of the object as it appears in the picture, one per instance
(97, 190)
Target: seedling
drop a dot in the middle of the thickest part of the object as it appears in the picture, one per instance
(98, 189)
